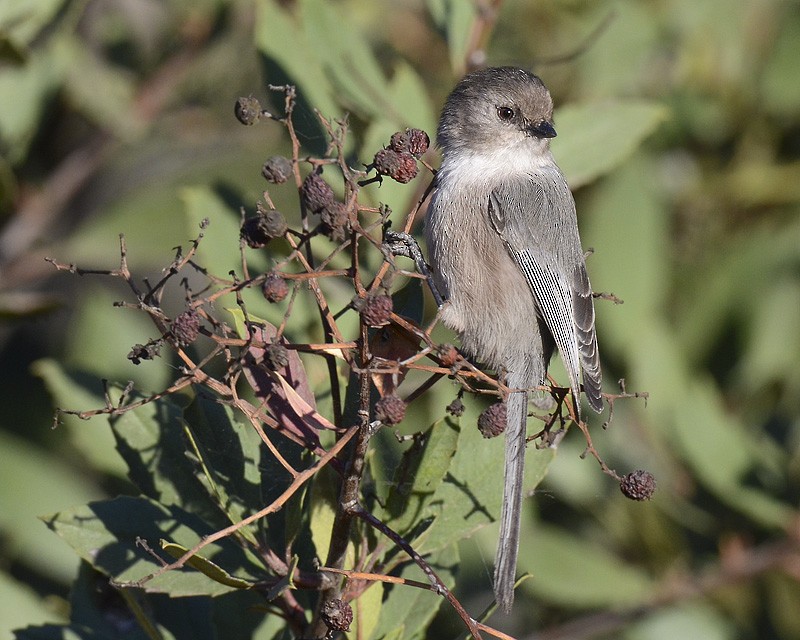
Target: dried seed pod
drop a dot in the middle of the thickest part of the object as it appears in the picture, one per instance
(275, 288)
(401, 167)
(277, 169)
(247, 110)
(448, 354)
(276, 356)
(413, 141)
(376, 310)
(638, 485)
(316, 193)
(492, 422)
(185, 327)
(456, 408)
(259, 229)
(337, 615)
(390, 410)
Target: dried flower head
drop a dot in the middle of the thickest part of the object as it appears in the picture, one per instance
(492, 422)
(390, 410)
(638, 485)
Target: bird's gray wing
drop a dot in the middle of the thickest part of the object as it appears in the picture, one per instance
(536, 220)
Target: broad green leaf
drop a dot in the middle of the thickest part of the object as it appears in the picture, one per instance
(58, 632)
(20, 605)
(101, 336)
(454, 18)
(470, 494)
(367, 610)
(322, 515)
(151, 441)
(721, 453)
(780, 94)
(626, 223)
(693, 619)
(230, 453)
(593, 139)
(219, 250)
(31, 483)
(24, 91)
(21, 21)
(91, 598)
(350, 64)
(283, 38)
(206, 567)
(424, 467)
(105, 534)
(573, 572)
(77, 391)
(111, 108)
(411, 608)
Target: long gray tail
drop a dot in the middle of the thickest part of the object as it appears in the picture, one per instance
(505, 567)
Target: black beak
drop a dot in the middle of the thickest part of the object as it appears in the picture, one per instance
(543, 129)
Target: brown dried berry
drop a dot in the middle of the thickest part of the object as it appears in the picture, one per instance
(413, 141)
(316, 193)
(638, 485)
(247, 110)
(390, 410)
(456, 408)
(448, 354)
(276, 356)
(274, 288)
(337, 615)
(141, 352)
(492, 422)
(277, 169)
(377, 310)
(259, 229)
(335, 215)
(186, 327)
(418, 142)
(401, 167)
(399, 141)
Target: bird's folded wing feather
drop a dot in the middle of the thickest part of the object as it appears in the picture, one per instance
(544, 243)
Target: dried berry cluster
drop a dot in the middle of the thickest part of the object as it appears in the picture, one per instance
(399, 159)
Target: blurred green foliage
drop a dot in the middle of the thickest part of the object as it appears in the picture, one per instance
(679, 127)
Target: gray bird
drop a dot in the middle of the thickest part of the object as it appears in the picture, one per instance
(506, 256)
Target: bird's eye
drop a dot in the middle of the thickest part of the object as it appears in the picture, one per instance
(505, 113)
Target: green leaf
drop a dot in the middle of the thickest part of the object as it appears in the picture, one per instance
(21, 21)
(229, 455)
(410, 608)
(470, 493)
(424, 466)
(105, 535)
(151, 441)
(30, 85)
(31, 483)
(454, 18)
(77, 391)
(594, 138)
(693, 619)
(206, 567)
(283, 38)
(359, 83)
(219, 250)
(570, 571)
(58, 632)
(21, 605)
(626, 222)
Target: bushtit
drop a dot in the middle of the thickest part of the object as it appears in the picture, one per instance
(506, 256)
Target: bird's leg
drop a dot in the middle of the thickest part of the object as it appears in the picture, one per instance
(403, 244)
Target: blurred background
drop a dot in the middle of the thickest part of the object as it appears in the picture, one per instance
(679, 130)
